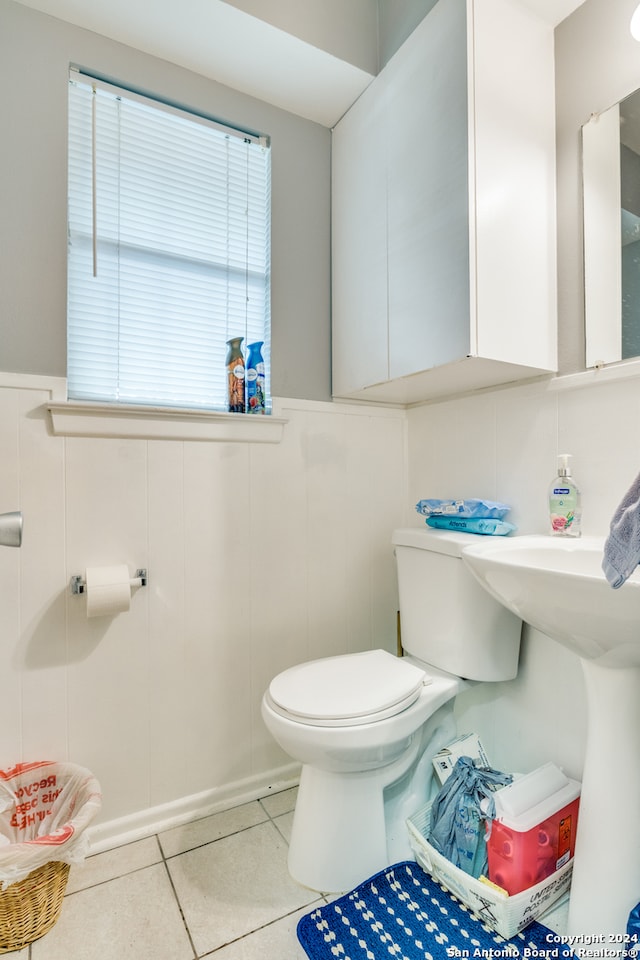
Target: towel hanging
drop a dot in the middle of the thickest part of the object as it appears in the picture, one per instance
(622, 546)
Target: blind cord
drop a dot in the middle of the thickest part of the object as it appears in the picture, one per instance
(94, 205)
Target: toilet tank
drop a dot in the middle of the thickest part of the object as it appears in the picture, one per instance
(446, 618)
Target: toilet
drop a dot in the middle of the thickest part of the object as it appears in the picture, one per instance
(366, 726)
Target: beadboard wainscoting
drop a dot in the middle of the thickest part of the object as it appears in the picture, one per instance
(503, 445)
(259, 556)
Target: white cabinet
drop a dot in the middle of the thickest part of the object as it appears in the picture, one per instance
(444, 266)
(359, 227)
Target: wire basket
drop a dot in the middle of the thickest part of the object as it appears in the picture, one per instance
(30, 907)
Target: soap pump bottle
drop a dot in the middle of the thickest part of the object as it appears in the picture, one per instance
(565, 511)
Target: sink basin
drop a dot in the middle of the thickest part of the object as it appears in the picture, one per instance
(556, 584)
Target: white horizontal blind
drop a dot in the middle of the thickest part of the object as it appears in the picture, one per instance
(169, 236)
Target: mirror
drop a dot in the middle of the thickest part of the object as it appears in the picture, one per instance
(611, 185)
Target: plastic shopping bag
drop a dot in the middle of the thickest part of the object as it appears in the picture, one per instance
(459, 814)
(632, 943)
(45, 808)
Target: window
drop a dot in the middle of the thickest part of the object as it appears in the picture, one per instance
(169, 230)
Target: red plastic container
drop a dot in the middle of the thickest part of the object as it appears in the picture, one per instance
(534, 833)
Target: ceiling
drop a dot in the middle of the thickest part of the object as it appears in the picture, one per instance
(219, 41)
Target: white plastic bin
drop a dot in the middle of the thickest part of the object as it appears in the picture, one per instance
(502, 913)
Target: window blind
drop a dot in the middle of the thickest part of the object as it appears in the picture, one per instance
(169, 250)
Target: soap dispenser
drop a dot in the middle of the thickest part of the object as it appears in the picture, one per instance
(565, 511)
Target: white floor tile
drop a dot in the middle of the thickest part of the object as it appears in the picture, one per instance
(277, 940)
(225, 880)
(113, 863)
(279, 803)
(229, 885)
(284, 825)
(199, 832)
(135, 917)
(235, 886)
(557, 916)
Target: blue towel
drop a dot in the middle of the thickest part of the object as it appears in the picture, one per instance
(622, 546)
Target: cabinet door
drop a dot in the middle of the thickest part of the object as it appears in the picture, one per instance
(428, 171)
(359, 244)
(514, 203)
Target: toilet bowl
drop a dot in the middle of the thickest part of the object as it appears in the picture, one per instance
(339, 834)
(396, 697)
(366, 726)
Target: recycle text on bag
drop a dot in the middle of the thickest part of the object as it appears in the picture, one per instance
(45, 808)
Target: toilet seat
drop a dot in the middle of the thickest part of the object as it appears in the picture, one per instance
(347, 690)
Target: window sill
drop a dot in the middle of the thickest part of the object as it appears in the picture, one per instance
(78, 419)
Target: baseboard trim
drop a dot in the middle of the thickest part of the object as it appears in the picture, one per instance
(146, 823)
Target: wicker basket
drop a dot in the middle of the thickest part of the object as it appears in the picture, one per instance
(29, 908)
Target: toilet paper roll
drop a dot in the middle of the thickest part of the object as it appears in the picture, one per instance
(108, 590)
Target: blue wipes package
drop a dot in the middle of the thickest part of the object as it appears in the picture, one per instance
(486, 526)
(487, 509)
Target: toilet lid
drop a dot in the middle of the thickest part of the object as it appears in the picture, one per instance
(347, 690)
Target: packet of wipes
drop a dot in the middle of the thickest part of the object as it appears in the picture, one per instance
(463, 508)
(488, 527)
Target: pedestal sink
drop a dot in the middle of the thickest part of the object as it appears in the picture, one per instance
(556, 585)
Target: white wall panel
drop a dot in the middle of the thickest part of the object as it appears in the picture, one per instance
(274, 574)
(452, 450)
(526, 455)
(108, 672)
(601, 428)
(329, 533)
(170, 757)
(383, 489)
(503, 444)
(217, 632)
(10, 582)
(41, 652)
(258, 556)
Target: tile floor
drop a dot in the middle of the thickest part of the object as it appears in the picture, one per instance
(216, 888)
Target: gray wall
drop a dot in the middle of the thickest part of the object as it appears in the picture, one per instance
(348, 30)
(396, 20)
(597, 64)
(35, 52)
(365, 33)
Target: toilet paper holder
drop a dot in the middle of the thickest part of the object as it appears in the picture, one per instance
(79, 584)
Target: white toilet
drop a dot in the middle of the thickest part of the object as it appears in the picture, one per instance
(366, 726)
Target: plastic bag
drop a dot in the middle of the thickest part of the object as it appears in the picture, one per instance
(459, 813)
(489, 527)
(632, 945)
(463, 508)
(45, 808)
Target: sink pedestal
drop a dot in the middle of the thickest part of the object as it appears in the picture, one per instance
(606, 869)
(556, 584)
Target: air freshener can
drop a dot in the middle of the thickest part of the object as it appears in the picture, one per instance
(235, 376)
(255, 378)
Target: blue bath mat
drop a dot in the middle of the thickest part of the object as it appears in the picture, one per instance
(403, 914)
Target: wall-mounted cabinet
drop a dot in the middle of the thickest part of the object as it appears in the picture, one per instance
(444, 256)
